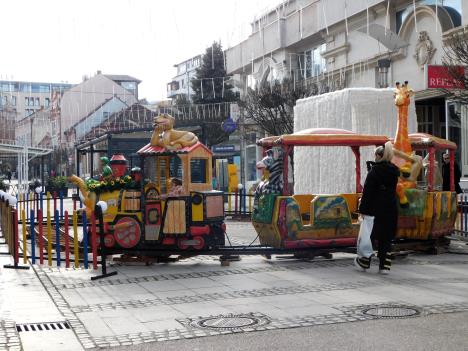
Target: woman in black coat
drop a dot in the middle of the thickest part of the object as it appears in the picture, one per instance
(380, 201)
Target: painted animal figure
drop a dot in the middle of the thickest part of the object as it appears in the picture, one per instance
(272, 163)
(402, 142)
(165, 136)
(409, 163)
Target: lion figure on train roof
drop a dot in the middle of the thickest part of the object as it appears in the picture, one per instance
(164, 134)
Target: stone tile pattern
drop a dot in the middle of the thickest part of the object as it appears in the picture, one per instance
(9, 337)
(348, 314)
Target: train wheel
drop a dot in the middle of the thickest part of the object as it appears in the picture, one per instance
(201, 242)
(181, 244)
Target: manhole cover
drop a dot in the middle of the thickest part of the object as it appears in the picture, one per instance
(229, 322)
(391, 312)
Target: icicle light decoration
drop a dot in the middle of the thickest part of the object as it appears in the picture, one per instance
(214, 92)
(437, 15)
(414, 14)
(324, 16)
(346, 19)
(387, 18)
(367, 15)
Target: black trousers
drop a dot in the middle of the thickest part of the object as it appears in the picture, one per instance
(384, 247)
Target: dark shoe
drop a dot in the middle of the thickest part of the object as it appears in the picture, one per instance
(386, 264)
(362, 263)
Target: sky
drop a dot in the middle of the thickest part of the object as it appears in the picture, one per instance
(63, 40)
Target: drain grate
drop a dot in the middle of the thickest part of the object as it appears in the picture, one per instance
(391, 311)
(44, 326)
(228, 322)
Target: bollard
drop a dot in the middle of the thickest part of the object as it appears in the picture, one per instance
(250, 201)
(41, 238)
(67, 242)
(75, 240)
(85, 240)
(33, 238)
(229, 203)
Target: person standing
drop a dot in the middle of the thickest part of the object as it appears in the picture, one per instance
(9, 176)
(379, 200)
(446, 174)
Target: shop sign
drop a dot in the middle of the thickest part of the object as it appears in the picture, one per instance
(224, 148)
(229, 125)
(439, 77)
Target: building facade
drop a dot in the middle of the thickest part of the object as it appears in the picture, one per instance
(180, 84)
(338, 44)
(29, 97)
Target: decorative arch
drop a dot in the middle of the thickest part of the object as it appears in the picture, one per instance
(264, 69)
(445, 21)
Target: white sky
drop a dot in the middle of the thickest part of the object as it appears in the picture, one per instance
(62, 40)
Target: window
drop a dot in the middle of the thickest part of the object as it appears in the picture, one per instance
(13, 100)
(37, 102)
(183, 83)
(198, 171)
(26, 101)
(311, 63)
(47, 102)
(4, 100)
(31, 101)
(105, 114)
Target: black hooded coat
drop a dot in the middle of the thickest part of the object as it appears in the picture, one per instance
(379, 199)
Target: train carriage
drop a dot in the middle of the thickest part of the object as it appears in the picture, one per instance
(285, 220)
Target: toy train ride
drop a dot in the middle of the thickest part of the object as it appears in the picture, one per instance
(144, 219)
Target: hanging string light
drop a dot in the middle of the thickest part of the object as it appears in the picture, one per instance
(437, 15)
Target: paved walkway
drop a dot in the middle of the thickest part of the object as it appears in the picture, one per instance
(197, 297)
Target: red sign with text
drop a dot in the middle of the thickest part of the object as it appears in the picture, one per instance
(441, 77)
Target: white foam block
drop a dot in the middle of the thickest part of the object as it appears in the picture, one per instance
(331, 170)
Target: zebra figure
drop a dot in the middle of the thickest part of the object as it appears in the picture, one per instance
(273, 163)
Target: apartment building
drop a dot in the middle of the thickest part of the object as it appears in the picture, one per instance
(180, 84)
(28, 97)
(340, 44)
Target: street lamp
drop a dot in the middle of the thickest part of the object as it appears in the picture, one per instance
(383, 66)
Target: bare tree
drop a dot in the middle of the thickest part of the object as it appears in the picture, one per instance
(456, 60)
(271, 106)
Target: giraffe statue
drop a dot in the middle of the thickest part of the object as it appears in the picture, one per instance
(401, 142)
(409, 163)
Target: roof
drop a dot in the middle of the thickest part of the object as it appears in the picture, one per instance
(161, 151)
(122, 78)
(324, 137)
(425, 141)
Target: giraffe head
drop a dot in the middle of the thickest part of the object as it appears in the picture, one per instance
(402, 94)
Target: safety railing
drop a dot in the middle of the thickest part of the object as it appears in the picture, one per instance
(44, 238)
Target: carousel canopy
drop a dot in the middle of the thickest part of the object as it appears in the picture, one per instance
(425, 141)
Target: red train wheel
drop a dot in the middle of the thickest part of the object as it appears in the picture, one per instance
(181, 244)
(201, 243)
(127, 232)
